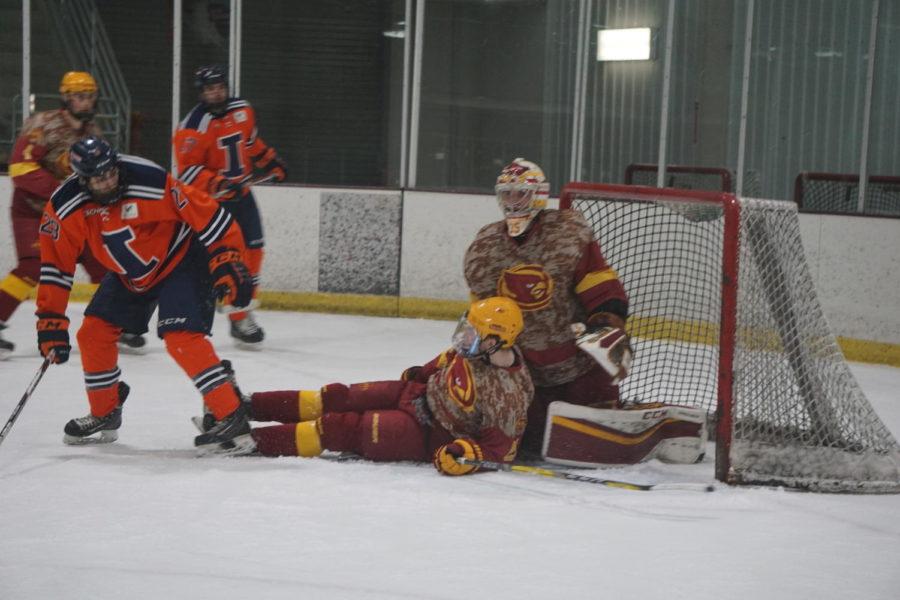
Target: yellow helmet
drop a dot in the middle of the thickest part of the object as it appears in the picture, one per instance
(496, 316)
(75, 82)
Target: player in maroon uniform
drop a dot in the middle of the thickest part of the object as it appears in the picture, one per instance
(549, 263)
(218, 149)
(470, 401)
(171, 249)
(39, 162)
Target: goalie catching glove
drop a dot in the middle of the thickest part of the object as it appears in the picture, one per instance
(445, 457)
(604, 338)
(232, 282)
(53, 336)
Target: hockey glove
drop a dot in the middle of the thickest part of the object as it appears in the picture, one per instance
(224, 190)
(445, 457)
(53, 335)
(411, 373)
(268, 166)
(232, 282)
(611, 348)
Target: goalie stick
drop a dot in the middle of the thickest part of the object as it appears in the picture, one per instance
(26, 396)
(625, 485)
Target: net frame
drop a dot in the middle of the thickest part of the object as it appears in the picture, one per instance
(724, 181)
(745, 238)
(838, 193)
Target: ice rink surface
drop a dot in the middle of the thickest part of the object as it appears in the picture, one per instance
(145, 519)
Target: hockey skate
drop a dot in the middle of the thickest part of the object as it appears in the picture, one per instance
(6, 347)
(132, 343)
(247, 333)
(208, 420)
(97, 430)
(230, 436)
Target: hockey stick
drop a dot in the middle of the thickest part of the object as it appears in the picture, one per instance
(625, 485)
(34, 381)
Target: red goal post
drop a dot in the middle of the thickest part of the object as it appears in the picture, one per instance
(724, 316)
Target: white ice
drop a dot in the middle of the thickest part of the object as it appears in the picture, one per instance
(144, 518)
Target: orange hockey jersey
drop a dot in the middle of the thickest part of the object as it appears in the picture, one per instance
(142, 237)
(208, 145)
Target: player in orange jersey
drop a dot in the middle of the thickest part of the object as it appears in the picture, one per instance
(218, 149)
(170, 247)
(470, 402)
(39, 162)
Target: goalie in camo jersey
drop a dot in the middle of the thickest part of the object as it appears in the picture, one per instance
(471, 401)
(38, 164)
(549, 263)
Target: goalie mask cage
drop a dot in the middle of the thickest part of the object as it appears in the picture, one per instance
(724, 316)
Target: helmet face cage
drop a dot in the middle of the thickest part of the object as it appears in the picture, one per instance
(522, 192)
(498, 317)
(466, 340)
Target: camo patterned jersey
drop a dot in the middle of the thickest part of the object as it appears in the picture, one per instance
(476, 400)
(557, 275)
(40, 158)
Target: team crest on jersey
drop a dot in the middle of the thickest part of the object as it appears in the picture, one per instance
(461, 384)
(240, 116)
(129, 211)
(50, 227)
(529, 285)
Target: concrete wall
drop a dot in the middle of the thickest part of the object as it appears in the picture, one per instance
(384, 241)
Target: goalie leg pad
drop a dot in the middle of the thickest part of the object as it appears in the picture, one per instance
(587, 437)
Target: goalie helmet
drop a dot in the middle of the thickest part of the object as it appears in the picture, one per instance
(93, 158)
(78, 82)
(496, 317)
(522, 192)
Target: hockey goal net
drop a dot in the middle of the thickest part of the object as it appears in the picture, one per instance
(839, 193)
(724, 316)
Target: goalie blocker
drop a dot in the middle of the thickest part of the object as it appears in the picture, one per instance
(581, 436)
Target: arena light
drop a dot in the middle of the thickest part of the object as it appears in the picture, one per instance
(624, 44)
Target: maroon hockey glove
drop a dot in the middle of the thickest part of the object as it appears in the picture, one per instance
(445, 457)
(268, 166)
(411, 373)
(53, 335)
(232, 282)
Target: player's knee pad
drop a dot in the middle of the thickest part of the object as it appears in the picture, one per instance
(254, 259)
(28, 270)
(183, 344)
(97, 341)
(334, 397)
(389, 435)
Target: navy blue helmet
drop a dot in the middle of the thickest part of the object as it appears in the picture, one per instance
(93, 157)
(209, 75)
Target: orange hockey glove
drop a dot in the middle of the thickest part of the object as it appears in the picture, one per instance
(268, 166)
(445, 457)
(232, 282)
(53, 335)
(223, 189)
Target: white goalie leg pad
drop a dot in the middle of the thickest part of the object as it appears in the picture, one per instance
(587, 437)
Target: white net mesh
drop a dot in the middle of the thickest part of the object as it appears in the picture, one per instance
(798, 416)
(823, 192)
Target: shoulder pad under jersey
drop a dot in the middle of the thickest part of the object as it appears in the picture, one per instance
(144, 178)
(68, 197)
(198, 118)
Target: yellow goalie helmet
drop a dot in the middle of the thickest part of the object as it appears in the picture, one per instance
(75, 82)
(522, 192)
(497, 316)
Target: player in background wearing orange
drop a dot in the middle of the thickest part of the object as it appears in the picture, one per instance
(39, 162)
(218, 150)
(468, 402)
(169, 246)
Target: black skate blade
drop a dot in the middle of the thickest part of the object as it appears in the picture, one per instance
(242, 445)
(101, 437)
(242, 345)
(125, 349)
(198, 423)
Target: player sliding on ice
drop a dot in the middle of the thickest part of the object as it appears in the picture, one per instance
(470, 401)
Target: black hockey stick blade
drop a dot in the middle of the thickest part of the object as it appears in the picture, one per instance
(34, 381)
(544, 472)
